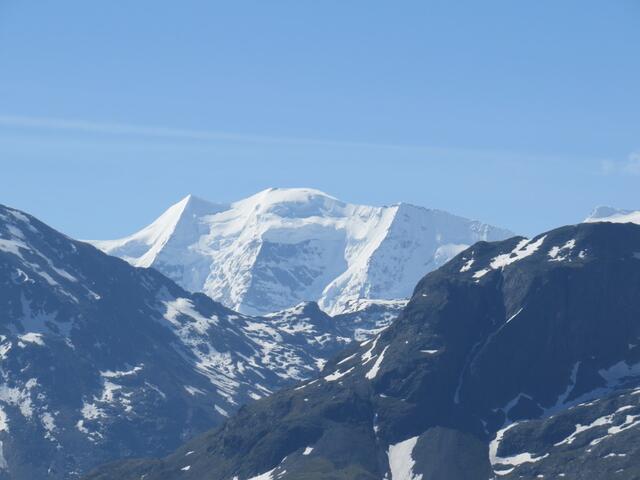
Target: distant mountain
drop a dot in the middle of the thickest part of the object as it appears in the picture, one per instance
(517, 359)
(613, 215)
(101, 360)
(281, 247)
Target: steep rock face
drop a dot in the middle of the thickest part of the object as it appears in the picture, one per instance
(517, 359)
(102, 360)
(280, 247)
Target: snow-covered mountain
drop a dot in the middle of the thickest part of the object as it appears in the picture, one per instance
(613, 215)
(281, 247)
(517, 359)
(101, 360)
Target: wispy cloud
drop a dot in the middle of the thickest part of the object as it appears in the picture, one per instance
(82, 126)
(421, 151)
(629, 166)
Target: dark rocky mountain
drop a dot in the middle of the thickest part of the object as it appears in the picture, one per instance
(102, 360)
(517, 359)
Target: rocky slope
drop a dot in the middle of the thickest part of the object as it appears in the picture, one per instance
(280, 247)
(102, 360)
(518, 359)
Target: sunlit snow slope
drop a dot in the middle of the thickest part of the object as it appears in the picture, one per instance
(614, 215)
(280, 247)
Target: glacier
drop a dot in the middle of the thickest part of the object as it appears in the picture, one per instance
(283, 246)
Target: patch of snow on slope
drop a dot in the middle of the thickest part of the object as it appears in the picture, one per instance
(558, 254)
(48, 423)
(220, 368)
(401, 462)
(3, 461)
(221, 411)
(481, 273)
(512, 461)
(37, 263)
(34, 338)
(13, 247)
(373, 372)
(19, 397)
(514, 315)
(91, 412)
(598, 422)
(467, 266)
(368, 355)
(264, 476)
(523, 249)
(345, 360)
(629, 421)
(113, 399)
(184, 307)
(270, 474)
(337, 375)
(193, 390)
(121, 373)
(4, 424)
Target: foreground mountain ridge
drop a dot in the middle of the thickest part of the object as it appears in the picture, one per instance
(517, 359)
(102, 360)
(279, 247)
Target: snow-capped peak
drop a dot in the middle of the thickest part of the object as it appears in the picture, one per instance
(613, 215)
(283, 246)
(142, 248)
(290, 196)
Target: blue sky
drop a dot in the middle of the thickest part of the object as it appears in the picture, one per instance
(523, 114)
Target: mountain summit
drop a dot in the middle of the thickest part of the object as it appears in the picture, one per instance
(280, 247)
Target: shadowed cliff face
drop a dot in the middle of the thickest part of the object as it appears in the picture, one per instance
(516, 359)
